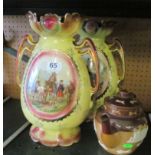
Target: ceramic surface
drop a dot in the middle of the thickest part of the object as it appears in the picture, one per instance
(70, 72)
(109, 74)
(51, 86)
(120, 124)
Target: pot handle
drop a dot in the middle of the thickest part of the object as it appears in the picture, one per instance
(116, 46)
(87, 47)
(22, 47)
(105, 120)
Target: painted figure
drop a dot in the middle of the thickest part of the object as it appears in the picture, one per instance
(40, 91)
(60, 89)
(53, 83)
(51, 88)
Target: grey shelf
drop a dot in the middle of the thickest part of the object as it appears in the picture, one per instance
(13, 117)
(88, 145)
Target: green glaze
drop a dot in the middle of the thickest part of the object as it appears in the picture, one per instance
(128, 146)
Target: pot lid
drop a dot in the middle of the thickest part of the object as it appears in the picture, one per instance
(124, 104)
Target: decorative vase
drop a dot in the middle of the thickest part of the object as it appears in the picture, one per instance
(110, 73)
(120, 124)
(56, 90)
(70, 72)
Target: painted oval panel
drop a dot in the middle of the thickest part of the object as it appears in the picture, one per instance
(51, 85)
(104, 72)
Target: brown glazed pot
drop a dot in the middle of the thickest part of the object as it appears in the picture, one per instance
(121, 124)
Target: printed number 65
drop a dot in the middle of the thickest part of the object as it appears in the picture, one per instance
(53, 65)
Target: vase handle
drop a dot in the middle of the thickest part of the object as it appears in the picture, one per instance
(22, 47)
(87, 47)
(116, 46)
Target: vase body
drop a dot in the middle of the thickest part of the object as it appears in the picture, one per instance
(51, 88)
(70, 72)
(110, 72)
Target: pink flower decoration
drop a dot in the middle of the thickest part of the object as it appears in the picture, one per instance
(50, 22)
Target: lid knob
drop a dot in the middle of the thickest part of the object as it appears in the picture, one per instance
(126, 95)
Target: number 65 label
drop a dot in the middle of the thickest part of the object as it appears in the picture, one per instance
(55, 66)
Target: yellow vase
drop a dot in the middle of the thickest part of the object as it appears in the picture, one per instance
(56, 90)
(110, 55)
(70, 72)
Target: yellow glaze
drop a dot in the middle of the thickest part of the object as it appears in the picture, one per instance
(59, 36)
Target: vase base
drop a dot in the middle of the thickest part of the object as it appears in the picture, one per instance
(53, 138)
